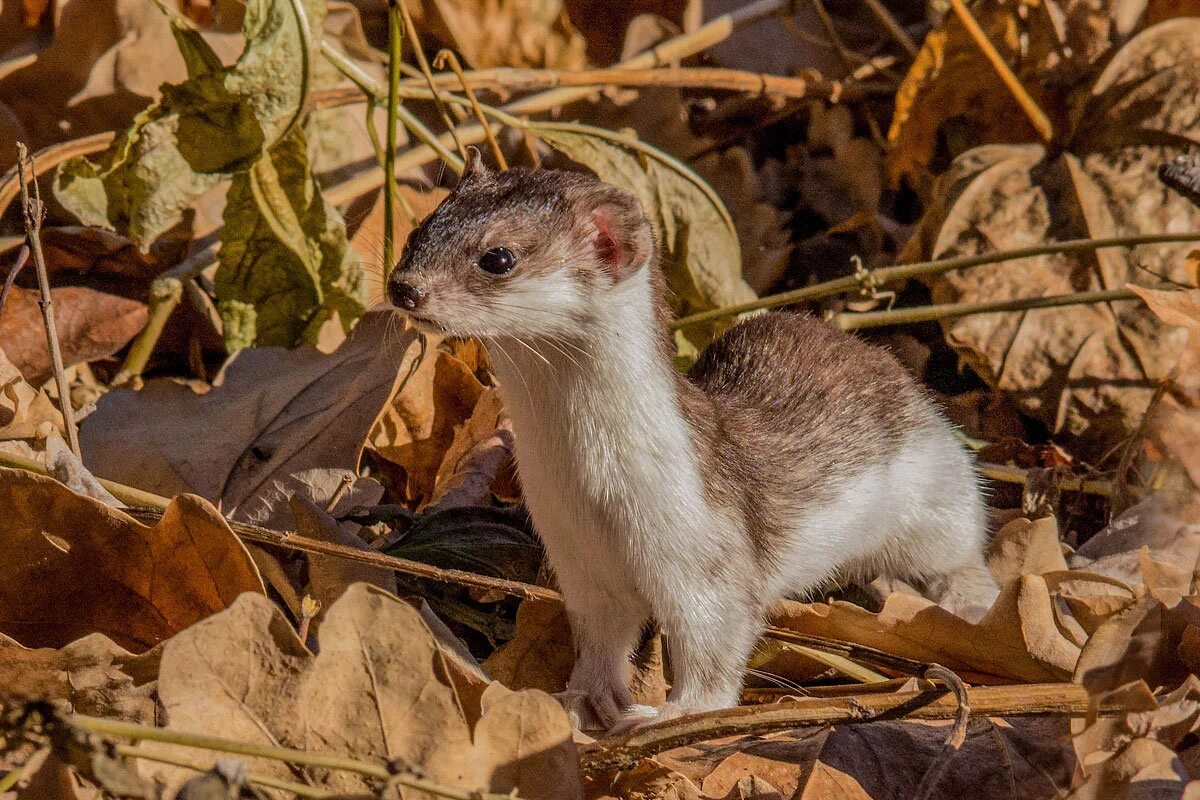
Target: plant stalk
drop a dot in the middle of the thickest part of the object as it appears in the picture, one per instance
(395, 49)
(850, 321)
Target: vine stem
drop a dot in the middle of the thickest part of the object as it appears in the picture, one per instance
(147, 733)
(922, 269)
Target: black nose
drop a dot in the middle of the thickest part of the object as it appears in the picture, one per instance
(405, 295)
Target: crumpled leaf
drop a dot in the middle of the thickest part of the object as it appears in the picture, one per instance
(284, 254)
(90, 325)
(1087, 371)
(1166, 525)
(379, 690)
(75, 566)
(215, 123)
(23, 410)
(277, 411)
(541, 654)
(93, 674)
(701, 256)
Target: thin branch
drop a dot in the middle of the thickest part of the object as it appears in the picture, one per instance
(1027, 700)
(34, 210)
(511, 79)
(1007, 474)
(958, 732)
(884, 17)
(922, 269)
(448, 57)
(147, 733)
(165, 293)
(18, 265)
(298, 789)
(1037, 117)
(423, 63)
(851, 321)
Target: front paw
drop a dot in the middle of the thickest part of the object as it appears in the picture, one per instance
(590, 711)
(636, 717)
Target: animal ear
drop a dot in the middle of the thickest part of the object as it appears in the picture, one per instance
(475, 169)
(621, 238)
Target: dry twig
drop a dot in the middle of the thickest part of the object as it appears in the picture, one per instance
(34, 210)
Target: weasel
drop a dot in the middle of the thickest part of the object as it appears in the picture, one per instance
(791, 452)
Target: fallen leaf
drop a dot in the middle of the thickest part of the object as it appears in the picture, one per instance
(23, 410)
(378, 690)
(508, 33)
(481, 539)
(1025, 547)
(1018, 639)
(109, 573)
(436, 398)
(90, 325)
(93, 674)
(278, 412)
(540, 655)
(1165, 523)
(1088, 371)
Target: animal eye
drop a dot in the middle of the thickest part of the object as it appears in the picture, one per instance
(498, 261)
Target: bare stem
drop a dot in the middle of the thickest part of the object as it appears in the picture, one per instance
(448, 57)
(130, 730)
(850, 321)
(423, 64)
(1037, 117)
(298, 789)
(923, 269)
(894, 29)
(34, 211)
(165, 293)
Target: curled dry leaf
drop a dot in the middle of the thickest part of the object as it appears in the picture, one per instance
(75, 566)
(1087, 372)
(541, 654)
(379, 690)
(277, 411)
(91, 325)
(23, 410)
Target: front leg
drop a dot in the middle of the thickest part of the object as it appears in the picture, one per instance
(606, 627)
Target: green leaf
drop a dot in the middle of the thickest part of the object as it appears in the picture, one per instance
(216, 123)
(284, 254)
(702, 259)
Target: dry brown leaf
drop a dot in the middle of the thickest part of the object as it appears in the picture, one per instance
(417, 429)
(93, 674)
(23, 410)
(1025, 547)
(473, 461)
(541, 654)
(505, 33)
(378, 690)
(1019, 639)
(75, 566)
(90, 324)
(272, 412)
(1167, 524)
(952, 92)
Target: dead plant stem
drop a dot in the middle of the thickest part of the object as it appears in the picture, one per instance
(33, 211)
(395, 42)
(923, 269)
(298, 789)
(851, 321)
(448, 57)
(130, 730)
(423, 64)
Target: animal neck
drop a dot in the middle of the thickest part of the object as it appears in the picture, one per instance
(611, 389)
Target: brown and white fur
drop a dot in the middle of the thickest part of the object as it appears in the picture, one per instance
(791, 452)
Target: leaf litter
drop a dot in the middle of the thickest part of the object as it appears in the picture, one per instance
(276, 399)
